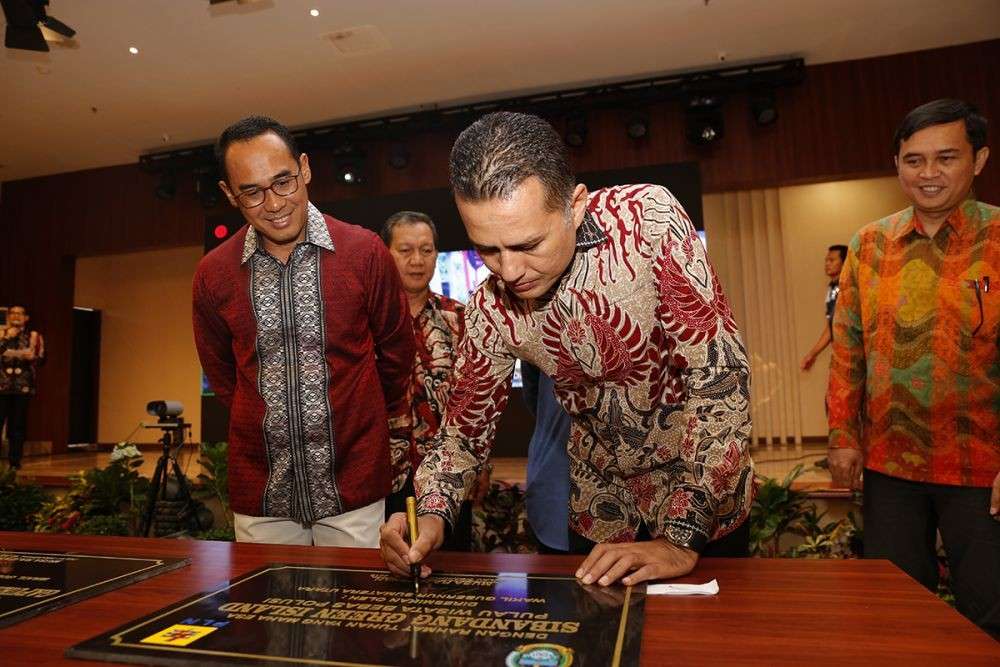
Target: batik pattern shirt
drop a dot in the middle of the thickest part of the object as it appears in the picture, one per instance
(915, 376)
(17, 374)
(436, 331)
(646, 358)
(292, 375)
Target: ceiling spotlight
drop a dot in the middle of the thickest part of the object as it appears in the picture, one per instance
(399, 156)
(349, 173)
(637, 126)
(133, 50)
(576, 130)
(167, 186)
(29, 28)
(703, 122)
(762, 107)
(313, 12)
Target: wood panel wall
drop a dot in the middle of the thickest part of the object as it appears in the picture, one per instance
(838, 124)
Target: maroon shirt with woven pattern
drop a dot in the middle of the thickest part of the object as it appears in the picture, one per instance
(369, 354)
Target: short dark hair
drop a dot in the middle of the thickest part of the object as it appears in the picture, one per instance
(248, 128)
(407, 218)
(940, 112)
(842, 249)
(498, 152)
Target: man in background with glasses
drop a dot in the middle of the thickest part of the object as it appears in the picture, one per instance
(915, 379)
(303, 331)
(438, 326)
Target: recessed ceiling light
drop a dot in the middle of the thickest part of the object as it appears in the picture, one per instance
(133, 50)
(314, 12)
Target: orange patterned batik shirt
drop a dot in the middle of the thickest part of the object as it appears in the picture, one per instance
(915, 377)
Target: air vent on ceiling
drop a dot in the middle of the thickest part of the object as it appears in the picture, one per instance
(357, 41)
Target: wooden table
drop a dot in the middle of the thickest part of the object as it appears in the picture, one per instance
(769, 612)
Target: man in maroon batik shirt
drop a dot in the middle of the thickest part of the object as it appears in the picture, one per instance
(303, 332)
(438, 326)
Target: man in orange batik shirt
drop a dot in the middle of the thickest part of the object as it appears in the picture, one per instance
(915, 380)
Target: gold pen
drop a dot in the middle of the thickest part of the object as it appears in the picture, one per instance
(411, 520)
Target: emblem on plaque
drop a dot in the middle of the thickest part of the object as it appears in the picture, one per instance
(540, 655)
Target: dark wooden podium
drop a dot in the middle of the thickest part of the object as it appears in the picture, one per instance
(768, 612)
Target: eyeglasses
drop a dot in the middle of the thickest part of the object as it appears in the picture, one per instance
(283, 187)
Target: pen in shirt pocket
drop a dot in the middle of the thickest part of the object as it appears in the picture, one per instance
(980, 284)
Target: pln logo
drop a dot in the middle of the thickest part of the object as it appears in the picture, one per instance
(540, 655)
(182, 634)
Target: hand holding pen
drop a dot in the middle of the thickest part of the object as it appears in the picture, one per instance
(398, 553)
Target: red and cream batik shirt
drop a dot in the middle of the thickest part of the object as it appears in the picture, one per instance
(437, 328)
(646, 358)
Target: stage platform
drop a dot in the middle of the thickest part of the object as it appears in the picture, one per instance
(54, 470)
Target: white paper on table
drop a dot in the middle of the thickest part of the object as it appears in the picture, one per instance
(711, 588)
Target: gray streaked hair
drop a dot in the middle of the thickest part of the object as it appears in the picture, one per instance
(494, 155)
(407, 218)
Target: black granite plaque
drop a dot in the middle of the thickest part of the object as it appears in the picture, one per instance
(288, 614)
(33, 582)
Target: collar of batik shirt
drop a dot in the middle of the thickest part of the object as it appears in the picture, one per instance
(433, 302)
(589, 234)
(963, 219)
(317, 234)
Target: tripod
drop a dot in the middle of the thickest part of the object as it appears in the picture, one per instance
(173, 435)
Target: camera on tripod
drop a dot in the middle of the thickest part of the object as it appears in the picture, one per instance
(171, 510)
(167, 411)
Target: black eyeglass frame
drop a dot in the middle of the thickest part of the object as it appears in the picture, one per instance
(291, 178)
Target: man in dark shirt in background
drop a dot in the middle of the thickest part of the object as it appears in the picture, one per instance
(832, 265)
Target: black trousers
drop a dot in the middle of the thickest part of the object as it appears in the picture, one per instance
(458, 538)
(901, 520)
(734, 545)
(14, 414)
